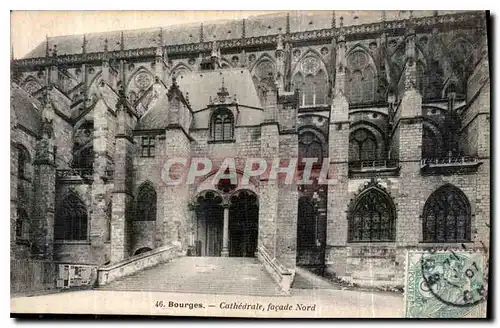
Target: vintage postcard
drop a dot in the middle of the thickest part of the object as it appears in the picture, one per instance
(291, 164)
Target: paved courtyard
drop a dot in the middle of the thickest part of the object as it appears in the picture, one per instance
(207, 286)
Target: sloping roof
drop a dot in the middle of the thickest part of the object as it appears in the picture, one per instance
(26, 108)
(200, 86)
(156, 117)
(262, 25)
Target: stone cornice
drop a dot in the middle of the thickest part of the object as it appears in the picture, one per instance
(351, 33)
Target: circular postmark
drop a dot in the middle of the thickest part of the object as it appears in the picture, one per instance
(454, 278)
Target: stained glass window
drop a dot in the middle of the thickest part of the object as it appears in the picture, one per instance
(146, 203)
(71, 219)
(372, 218)
(447, 216)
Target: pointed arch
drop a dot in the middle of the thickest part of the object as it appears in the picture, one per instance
(361, 73)
(309, 53)
(262, 58)
(179, 68)
(447, 216)
(312, 144)
(366, 142)
(145, 205)
(432, 140)
(71, 220)
(372, 216)
(310, 77)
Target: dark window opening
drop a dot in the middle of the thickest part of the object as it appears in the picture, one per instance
(363, 146)
(222, 125)
(148, 146)
(71, 219)
(447, 216)
(373, 218)
(146, 203)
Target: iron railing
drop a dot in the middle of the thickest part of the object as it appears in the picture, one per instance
(374, 164)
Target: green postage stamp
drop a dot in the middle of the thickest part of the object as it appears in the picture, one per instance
(445, 284)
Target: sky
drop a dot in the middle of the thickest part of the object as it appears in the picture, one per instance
(29, 28)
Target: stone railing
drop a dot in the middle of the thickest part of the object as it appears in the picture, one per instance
(74, 173)
(283, 276)
(449, 161)
(109, 273)
(373, 164)
(450, 164)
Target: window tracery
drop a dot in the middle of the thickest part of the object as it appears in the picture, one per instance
(146, 203)
(372, 218)
(71, 219)
(310, 146)
(447, 216)
(363, 145)
(360, 80)
(312, 82)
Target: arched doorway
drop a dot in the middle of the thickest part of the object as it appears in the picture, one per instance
(243, 224)
(209, 224)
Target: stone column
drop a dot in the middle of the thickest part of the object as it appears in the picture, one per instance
(43, 223)
(225, 235)
(123, 178)
(338, 150)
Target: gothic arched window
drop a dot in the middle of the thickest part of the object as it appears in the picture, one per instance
(310, 146)
(362, 146)
(146, 203)
(360, 81)
(313, 87)
(372, 218)
(71, 219)
(222, 125)
(447, 216)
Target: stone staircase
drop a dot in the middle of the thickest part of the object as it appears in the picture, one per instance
(205, 275)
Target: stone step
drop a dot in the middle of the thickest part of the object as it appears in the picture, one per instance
(212, 275)
(305, 279)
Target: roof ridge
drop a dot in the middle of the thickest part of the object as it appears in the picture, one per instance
(154, 28)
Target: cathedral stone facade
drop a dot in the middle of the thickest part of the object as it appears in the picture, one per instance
(398, 102)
